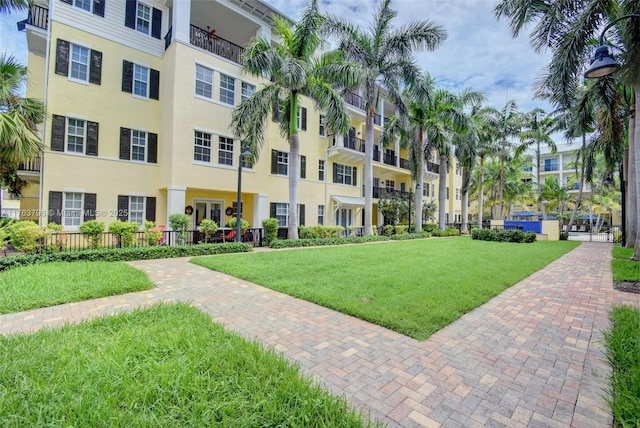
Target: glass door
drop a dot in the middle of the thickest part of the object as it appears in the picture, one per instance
(210, 210)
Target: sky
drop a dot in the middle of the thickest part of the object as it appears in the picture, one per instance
(479, 52)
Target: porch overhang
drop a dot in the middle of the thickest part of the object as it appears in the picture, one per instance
(340, 201)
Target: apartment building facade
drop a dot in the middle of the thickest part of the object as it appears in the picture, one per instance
(139, 99)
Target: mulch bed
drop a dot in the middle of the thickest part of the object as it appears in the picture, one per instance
(629, 287)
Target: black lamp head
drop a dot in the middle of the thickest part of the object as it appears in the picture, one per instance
(602, 64)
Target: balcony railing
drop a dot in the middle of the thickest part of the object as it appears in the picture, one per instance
(32, 165)
(38, 17)
(384, 193)
(354, 99)
(389, 159)
(433, 167)
(354, 143)
(549, 168)
(404, 163)
(216, 44)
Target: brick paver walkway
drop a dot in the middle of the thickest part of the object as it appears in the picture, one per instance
(530, 357)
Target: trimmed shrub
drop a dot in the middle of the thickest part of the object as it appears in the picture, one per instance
(270, 226)
(503, 235)
(208, 228)
(152, 233)
(244, 224)
(93, 230)
(401, 229)
(125, 254)
(26, 236)
(124, 232)
(179, 223)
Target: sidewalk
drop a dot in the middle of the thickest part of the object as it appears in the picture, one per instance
(532, 356)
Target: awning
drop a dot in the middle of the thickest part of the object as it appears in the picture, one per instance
(348, 200)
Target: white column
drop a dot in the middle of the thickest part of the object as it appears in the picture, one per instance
(261, 211)
(396, 149)
(175, 201)
(339, 140)
(181, 22)
(264, 31)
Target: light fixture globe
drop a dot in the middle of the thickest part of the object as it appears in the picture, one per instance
(602, 64)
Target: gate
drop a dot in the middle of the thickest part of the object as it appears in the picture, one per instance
(605, 234)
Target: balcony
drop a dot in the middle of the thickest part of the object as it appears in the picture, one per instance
(433, 167)
(550, 168)
(354, 100)
(32, 165)
(384, 193)
(389, 159)
(215, 44)
(354, 143)
(38, 17)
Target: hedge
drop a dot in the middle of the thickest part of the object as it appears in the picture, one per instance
(125, 254)
(503, 235)
(316, 242)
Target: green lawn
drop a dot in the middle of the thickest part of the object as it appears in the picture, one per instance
(623, 353)
(624, 269)
(49, 284)
(165, 366)
(413, 287)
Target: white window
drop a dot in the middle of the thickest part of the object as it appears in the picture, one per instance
(282, 163)
(343, 174)
(76, 131)
(247, 90)
(72, 213)
(320, 214)
(227, 89)
(83, 4)
(204, 82)
(225, 151)
(136, 209)
(282, 214)
(458, 197)
(321, 170)
(322, 124)
(79, 63)
(138, 145)
(140, 80)
(202, 147)
(143, 18)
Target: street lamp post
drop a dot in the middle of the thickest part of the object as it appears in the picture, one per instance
(244, 155)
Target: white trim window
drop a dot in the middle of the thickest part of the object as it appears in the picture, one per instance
(204, 82)
(321, 170)
(343, 174)
(83, 4)
(76, 134)
(202, 147)
(227, 89)
(282, 214)
(321, 214)
(140, 81)
(136, 209)
(247, 90)
(143, 18)
(225, 151)
(72, 212)
(79, 69)
(139, 141)
(322, 125)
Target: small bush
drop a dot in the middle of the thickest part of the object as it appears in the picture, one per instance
(26, 236)
(93, 230)
(387, 230)
(179, 223)
(208, 228)
(124, 232)
(244, 224)
(59, 237)
(401, 229)
(503, 235)
(152, 233)
(125, 254)
(270, 226)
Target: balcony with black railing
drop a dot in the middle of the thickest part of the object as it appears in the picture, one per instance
(32, 165)
(389, 159)
(433, 167)
(354, 99)
(38, 17)
(215, 44)
(404, 163)
(385, 193)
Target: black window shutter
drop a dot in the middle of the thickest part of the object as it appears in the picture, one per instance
(130, 14)
(304, 119)
(127, 76)
(275, 114)
(301, 214)
(123, 207)
(335, 172)
(95, 68)
(57, 133)
(89, 206)
(92, 138)
(62, 57)
(150, 209)
(154, 84)
(274, 161)
(152, 155)
(354, 177)
(156, 23)
(125, 143)
(98, 7)
(303, 167)
(272, 210)
(66, 1)
(55, 207)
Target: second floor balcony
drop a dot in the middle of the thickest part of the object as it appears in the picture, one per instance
(215, 44)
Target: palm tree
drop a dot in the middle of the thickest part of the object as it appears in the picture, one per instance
(570, 40)
(557, 196)
(9, 6)
(384, 56)
(538, 127)
(293, 71)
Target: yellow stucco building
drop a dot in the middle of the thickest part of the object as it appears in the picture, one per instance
(139, 97)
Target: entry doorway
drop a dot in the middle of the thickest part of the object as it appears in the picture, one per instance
(206, 209)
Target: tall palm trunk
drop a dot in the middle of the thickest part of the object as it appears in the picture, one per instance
(442, 193)
(539, 199)
(579, 198)
(480, 192)
(501, 189)
(419, 184)
(465, 199)
(294, 162)
(368, 174)
(636, 177)
(631, 213)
